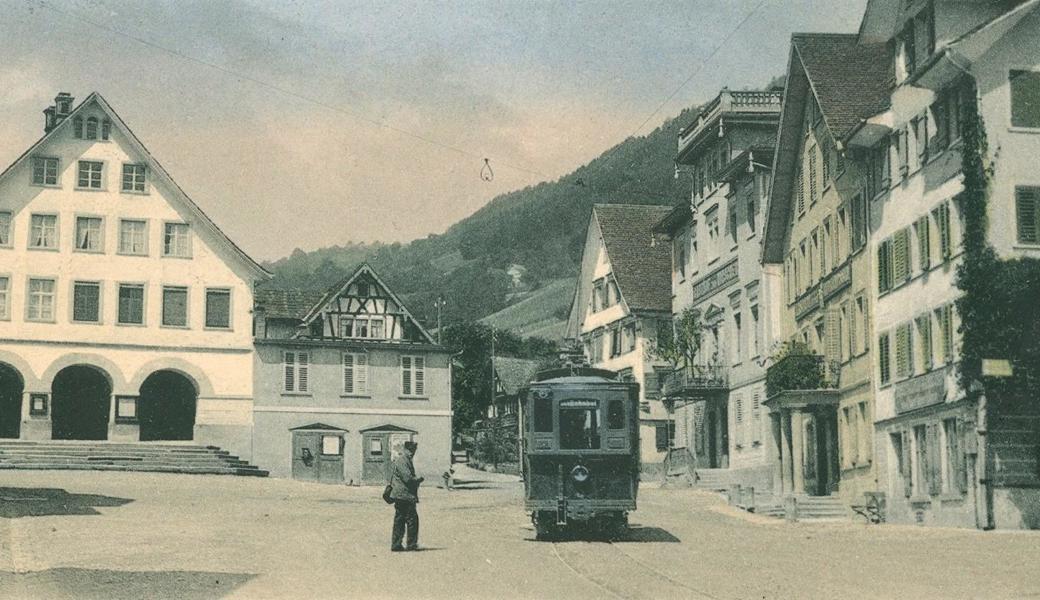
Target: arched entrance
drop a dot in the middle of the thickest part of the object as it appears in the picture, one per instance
(11, 388)
(80, 400)
(166, 408)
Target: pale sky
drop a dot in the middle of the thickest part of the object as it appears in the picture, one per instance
(302, 147)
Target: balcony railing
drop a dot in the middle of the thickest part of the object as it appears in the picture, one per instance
(732, 102)
(695, 381)
(801, 372)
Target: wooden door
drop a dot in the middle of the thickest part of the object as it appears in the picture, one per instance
(330, 460)
(375, 452)
(306, 452)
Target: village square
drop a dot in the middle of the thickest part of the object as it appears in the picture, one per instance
(785, 344)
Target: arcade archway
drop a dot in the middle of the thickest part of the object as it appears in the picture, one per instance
(80, 400)
(11, 388)
(166, 408)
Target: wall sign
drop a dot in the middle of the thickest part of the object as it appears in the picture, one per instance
(920, 392)
(715, 281)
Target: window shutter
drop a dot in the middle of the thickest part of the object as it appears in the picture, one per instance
(756, 417)
(884, 358)
(420, 375)
(832, 335)
(904, 358)
(924, 253)
(800, 183)
(738, 420)
(661, 437)
(934, 464)
(942, 222)
(301, 371)
(947, 325)
(348, 373)
(885, 265)
(290, 372)
(1027, 200)
(924, 328)
(906, 463)
(361, 373)
(406, 375)
(900, 258)
(964, 429)
(812, 174)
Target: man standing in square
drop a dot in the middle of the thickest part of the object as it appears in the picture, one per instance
(404, 490)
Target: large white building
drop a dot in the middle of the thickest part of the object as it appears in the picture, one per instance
(125, 313)
(934, 438)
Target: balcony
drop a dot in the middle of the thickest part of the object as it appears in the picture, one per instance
(749, 104)
(696, 382)
(802, 378)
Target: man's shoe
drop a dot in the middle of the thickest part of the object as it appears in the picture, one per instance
(397, 549)
(411, 548)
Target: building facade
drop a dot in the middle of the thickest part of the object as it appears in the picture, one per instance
(944, 457)
(620, 303)
(342, 381)
(821, 395)
(124, 310)
(716, 246)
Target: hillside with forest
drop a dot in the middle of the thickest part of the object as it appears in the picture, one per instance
(517, 247)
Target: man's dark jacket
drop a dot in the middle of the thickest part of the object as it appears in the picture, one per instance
(404, 485)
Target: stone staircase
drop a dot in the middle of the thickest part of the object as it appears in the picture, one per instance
(808, 508)
(713, 480)
(111, 456)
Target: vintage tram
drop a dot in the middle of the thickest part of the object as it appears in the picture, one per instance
(580, 451)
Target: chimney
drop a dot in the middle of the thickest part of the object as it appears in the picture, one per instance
(48, 119)
(54, 115)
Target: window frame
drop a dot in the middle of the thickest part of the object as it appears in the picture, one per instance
(5, 297)
(144, 179)
(57, 171)
(230, 308)
(1024, 70)
(8, 216)
(97, 285)
(187, 306)
(119, 243)
(57, 232)
(355, 367)
(101, 187)
(29, 295)
(100, 233)
(413, 389)
(144, 303)
(187, 243)
(300, 385)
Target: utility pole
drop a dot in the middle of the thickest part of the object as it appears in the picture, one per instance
(493, 421)
(439, 303)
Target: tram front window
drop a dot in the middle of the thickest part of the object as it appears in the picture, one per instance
(579, 428)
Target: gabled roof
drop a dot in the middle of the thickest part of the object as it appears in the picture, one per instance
(850, 82)
(341, 287)
(153, 165)
(641, 265)
(317, 427)
(286, 304)
(514, 373)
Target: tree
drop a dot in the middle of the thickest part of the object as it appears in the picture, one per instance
(683, 343)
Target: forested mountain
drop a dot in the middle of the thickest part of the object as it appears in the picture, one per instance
(541, 228)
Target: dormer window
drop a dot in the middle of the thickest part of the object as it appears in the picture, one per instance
(363, 327)
(77, 128)
(92, 128)
(362, 289)
(106, 129)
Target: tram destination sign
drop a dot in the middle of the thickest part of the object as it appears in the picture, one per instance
(579, 404)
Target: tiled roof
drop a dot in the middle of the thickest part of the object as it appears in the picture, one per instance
(851, 81)
(286, 304)
(514, 373)
(642, 267)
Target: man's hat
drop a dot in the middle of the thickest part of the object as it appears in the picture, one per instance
(411, 446)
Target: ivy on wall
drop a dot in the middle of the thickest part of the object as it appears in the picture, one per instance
(1000, 304)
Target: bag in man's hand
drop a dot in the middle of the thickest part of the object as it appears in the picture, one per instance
(386, 494)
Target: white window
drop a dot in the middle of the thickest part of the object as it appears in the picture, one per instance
(5, 229)
(86, 302)
(89, 174)
(5, 298)
(296, 377)
(176, 240)
(44, 170)
(355, 373)
(413, 376)
(40, 305)
(43, 231)
(88, 234)
(134, 178)
(133, 237)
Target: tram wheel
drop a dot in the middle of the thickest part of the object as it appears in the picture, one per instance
(544, 526)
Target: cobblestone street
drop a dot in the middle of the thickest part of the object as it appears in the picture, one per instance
(102, 535)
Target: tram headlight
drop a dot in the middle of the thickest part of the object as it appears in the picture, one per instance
(580, 474)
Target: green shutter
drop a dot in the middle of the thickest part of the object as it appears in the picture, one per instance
(1027, 200)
